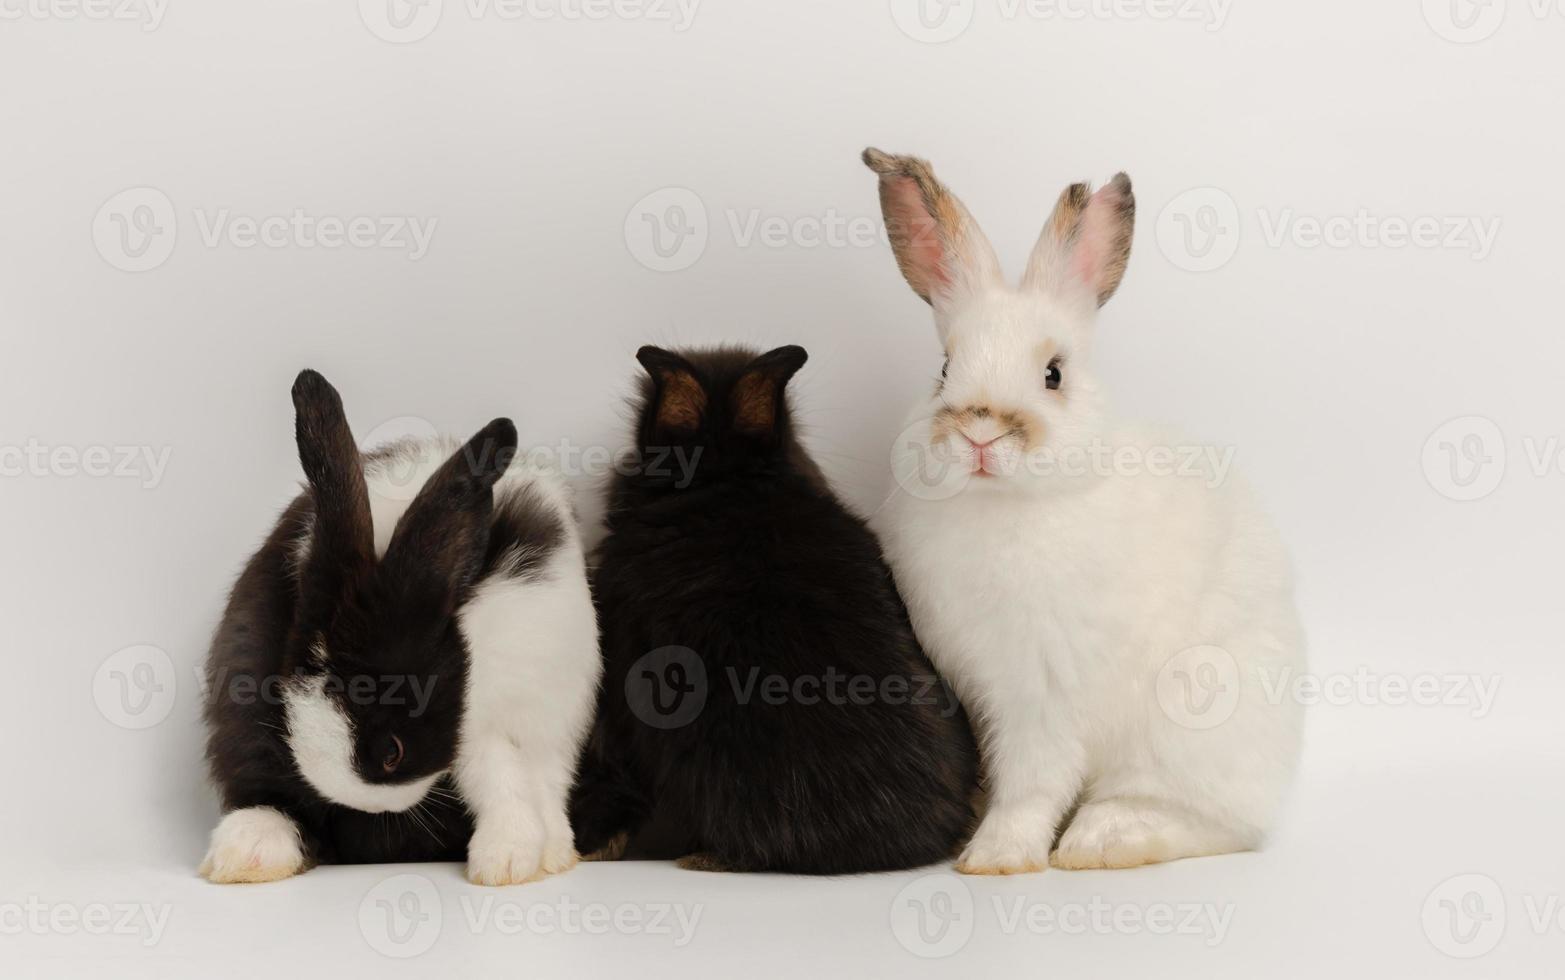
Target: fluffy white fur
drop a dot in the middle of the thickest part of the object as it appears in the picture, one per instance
(530, 695)
(532, 680)
(253, 845)
(1052, 602)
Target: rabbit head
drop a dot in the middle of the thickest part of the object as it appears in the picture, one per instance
(376, 663)
(707, 414)
(1017, 390)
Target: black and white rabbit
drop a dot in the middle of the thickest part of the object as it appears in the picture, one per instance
(764, 695)
(406, 670)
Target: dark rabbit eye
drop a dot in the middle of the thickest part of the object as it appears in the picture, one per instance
(390, 754)
(1052, 379)
(944, 368)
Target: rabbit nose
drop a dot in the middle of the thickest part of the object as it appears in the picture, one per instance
(980, 443)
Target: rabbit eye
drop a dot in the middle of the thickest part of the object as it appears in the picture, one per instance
(944, 368)
(391, 754)
(1052, 379)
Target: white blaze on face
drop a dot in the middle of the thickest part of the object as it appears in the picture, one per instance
(321, 738)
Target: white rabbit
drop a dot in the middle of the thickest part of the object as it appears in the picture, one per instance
(1112, 614)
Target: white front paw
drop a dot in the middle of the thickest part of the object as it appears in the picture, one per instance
(512, 853)
(255, 844)
(1002, 849)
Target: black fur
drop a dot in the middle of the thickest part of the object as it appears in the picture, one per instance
(756, 567)
(395, 655)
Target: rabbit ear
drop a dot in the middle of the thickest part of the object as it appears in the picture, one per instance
(438, 547)
(939, 247)
(344, 534)
(757, 398)
(678, 394)
(1086, 242)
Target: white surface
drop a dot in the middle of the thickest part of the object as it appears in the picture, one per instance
(529, 145)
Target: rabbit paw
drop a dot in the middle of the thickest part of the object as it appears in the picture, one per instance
(515, 855)
(1004, 852)
(252, 845)
(1121, 834)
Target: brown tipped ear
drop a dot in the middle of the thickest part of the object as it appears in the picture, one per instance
(438, 547)
(938, 245)
(679, 396)
(344, 535)
(757, 398)
(1086, 242)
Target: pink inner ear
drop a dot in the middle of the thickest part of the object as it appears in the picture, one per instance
(923, 251)
(1096, 238)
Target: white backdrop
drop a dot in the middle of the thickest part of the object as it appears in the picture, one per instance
(1349, 236)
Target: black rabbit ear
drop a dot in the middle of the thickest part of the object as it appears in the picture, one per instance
(344, 536)
(679, 396)
(757, 398)
(438, 547)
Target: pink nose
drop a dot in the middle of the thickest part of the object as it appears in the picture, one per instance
(980, 445)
